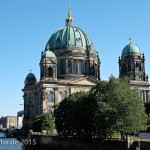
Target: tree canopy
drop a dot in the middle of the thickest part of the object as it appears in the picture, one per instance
(110, 106)
(43, 122)
(123, 106)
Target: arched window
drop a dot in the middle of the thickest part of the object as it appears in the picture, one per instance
(140, 67)
(63, 66)
(69, 66)
(74, 67)
(50, 72)
(92, 69)
(86, 67)
(79, 67)
(137, 66)
(124, 68)
(42, 72)
(129, 66)
(63, 95)
(59, 70)
(50, 97)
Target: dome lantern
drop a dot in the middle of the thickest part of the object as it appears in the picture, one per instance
(69, 19)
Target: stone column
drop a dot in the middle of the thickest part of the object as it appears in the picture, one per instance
(148, 95)
(72, 66)
(145, 97)
(69, 90)
(54, 73)
(66, 66)
(83, 67)
(46, 71)
(127, 66)
(76, 66)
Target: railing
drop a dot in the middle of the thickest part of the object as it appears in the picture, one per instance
(44, 133)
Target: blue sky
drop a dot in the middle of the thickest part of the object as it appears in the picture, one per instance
(26, 26)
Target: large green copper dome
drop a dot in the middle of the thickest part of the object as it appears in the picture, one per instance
(130, 49)
(70, 36)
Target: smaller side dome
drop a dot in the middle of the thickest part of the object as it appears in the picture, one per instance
(30, 79)
(30, 76)
(130, 49)
(48, 54)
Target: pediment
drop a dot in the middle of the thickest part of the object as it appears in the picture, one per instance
(85, 81)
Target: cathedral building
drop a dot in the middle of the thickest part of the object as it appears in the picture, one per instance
(132, 65)
(69, 63)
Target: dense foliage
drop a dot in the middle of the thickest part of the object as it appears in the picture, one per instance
(110, 106)
(43, 122)
(121, 107)
(70, 113)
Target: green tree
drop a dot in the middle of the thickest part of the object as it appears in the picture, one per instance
(71, 117)
(44, 122)
(110, 106)
(120, 108)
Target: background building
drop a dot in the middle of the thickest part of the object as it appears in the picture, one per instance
(69, 63)
(20, 115)
(8, 122)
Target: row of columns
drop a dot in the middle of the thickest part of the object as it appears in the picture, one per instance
(86, 66)
(145, 96)
(49, 72)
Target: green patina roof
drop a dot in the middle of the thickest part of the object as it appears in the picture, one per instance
(70, 36)
(130, 48)
(48, 54)
(30, 75)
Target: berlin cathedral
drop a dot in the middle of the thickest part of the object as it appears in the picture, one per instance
(70, 63)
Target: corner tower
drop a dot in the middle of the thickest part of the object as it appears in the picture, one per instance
(48, 65)
(132, 65)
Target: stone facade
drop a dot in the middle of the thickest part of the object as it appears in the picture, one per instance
(8, 122)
